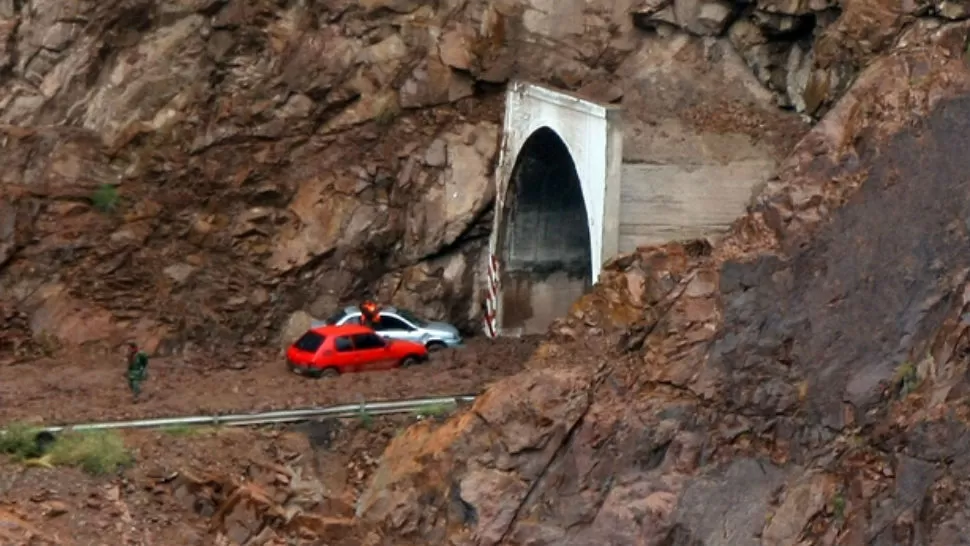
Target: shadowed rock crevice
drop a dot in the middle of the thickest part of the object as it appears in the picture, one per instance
(529, 497)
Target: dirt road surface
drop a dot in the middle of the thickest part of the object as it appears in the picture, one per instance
(65, 390)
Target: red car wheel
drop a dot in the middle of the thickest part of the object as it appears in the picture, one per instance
(408, 361)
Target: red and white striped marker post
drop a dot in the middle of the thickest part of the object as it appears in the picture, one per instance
(491, 298)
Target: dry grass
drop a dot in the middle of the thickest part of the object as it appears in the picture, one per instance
(96, 452)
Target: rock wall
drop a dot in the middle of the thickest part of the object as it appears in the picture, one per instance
(195, 171)
(198, 170)
(801, 382)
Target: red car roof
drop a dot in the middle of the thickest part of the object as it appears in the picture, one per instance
(344, 330)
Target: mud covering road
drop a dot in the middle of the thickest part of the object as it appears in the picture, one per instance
(58, 391)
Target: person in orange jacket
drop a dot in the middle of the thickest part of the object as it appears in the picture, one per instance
(369, 314)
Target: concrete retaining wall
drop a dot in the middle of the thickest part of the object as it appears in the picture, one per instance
(661, 203)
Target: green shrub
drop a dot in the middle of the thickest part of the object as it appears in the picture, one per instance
(187, 430)
(19, 441)
(105, 198)
(96, 452)
(178, 430)
(365, 419)
(838, 506)
(435, 410)
(48, 343)
(907, 378)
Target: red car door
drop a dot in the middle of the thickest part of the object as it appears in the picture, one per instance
(345, 358)
(373, 352)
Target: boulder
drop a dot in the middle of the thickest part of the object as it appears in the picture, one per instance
(427, 286)
(58, 317)
(432, 83)
(112, 111)
(278, 502)
(794, 7)
(699, 17)
(455, 47)
(955, 11)
(381, 106)
(324, 218)
(457, 196)
(294, 327)
(802, 502)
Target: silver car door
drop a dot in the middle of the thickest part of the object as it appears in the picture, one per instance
(393, 327)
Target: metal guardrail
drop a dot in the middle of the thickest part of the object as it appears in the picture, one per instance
(275, 417)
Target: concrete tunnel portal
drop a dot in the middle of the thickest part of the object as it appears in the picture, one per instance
(569, 198)
(556, 221)
(544, 239)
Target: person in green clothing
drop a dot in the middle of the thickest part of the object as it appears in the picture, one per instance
(137, 369)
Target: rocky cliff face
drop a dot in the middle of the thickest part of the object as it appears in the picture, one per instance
(195, 171)
(198, 170)
(802, 382)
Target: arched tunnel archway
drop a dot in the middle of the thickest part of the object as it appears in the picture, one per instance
(545, 237)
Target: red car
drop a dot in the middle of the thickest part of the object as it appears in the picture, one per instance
(333, 350)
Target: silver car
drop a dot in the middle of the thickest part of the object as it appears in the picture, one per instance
(401, 324)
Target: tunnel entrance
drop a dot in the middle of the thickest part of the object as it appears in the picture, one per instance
(545, 238)
(557, 207)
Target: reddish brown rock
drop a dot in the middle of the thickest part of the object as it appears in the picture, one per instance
(455, 47)
(504, 442)
(290, 151)
(288, 143)
(433, 83)
(727, 398)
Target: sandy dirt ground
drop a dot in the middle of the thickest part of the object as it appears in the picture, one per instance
(70, 389)
(180, 489)
(216, 486)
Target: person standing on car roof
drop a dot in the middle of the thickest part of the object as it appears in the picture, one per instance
(137, 370)
(369, 314)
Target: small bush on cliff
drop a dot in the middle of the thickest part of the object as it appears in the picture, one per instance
(907, 379)
(105, 198)
(48, 344)
(838, 506)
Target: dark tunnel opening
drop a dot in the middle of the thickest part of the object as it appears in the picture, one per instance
(545, 242)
